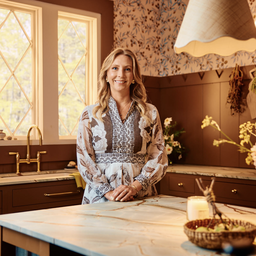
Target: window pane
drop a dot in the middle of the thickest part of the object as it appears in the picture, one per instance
(13, 41)
(79, 78)
(14, 105)
(70, 107)
(72, 49)
(16, 87)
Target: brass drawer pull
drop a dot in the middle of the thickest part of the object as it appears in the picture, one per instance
(234, 191)
(180, 184)
(62, 193)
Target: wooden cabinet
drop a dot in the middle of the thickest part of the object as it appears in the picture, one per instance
(177, 185)
(35, 196)
(226, 190)
(232, 191)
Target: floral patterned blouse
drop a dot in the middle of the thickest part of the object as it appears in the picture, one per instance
(112, 153)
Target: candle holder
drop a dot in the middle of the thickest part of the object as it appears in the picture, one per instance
(197, 208)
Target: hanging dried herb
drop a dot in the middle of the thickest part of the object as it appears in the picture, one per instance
(235, 99)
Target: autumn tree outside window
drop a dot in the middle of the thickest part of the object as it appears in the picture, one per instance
(49, 63)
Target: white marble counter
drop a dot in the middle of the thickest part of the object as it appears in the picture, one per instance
(34, 177)
(213, 171)
(152, 227)
(55, 175)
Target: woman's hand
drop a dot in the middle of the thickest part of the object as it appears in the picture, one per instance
(123, 193)
(109, 195)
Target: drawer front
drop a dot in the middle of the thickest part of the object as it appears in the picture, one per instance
(44, 194)
(181, 183)
(233, 191)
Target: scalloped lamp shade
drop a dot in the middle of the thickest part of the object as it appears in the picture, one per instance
(222, 27)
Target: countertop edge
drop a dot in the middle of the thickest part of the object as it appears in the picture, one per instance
(221, 172)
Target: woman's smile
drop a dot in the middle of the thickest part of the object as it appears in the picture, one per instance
(119, 82)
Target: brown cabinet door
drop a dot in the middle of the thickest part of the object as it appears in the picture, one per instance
(35, 196)
(177, 185)
(231, 192)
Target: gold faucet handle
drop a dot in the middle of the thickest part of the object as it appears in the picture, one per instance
(41, 152)
(13, 153)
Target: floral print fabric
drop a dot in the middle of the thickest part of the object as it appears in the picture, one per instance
(112, 153)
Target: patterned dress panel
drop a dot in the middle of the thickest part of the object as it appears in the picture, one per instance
(123, 133)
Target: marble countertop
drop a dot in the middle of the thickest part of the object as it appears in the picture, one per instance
(33, 177)
(213, 171)
(56, 175)
(152, 227)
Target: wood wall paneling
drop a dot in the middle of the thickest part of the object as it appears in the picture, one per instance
(189, 99)
(183, 104)
(152, 85)
(211, 107)
(193, 139)
(229, 125)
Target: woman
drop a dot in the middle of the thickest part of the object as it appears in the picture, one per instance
(120, 145)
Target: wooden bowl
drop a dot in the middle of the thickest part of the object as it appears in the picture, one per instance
(216, 240)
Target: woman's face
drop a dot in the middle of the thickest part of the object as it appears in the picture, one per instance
(120, 75)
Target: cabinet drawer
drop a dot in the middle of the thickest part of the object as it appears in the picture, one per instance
(44, 194)
(181, 183)
(234, 191)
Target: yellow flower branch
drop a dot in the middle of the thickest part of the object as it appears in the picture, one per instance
(246, 130)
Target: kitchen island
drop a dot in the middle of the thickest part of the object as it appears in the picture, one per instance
(152, 226)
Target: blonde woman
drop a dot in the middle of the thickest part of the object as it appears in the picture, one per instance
(120, 145)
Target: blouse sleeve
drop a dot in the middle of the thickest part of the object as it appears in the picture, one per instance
(86, 158)
(157, 161)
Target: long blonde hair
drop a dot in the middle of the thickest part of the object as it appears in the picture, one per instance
(137, 90)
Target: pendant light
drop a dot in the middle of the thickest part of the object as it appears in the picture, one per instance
(222, 27)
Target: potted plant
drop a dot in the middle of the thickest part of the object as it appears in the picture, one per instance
(175, 150)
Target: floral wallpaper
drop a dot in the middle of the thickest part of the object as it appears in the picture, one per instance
(150, 27)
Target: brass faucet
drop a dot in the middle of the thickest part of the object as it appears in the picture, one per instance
(29, 160)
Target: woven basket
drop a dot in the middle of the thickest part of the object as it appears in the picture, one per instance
(215, 240)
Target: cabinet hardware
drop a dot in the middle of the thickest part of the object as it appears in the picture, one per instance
(62, 194)
(234, 191)
(180, 184)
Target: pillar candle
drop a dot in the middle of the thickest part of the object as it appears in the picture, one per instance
(197, 208)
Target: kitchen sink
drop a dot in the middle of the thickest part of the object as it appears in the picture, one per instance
(13, 178)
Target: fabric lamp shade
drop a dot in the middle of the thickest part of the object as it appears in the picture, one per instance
(222, 27)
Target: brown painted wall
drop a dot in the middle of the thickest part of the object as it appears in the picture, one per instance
(188, 99)
(57, 157)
